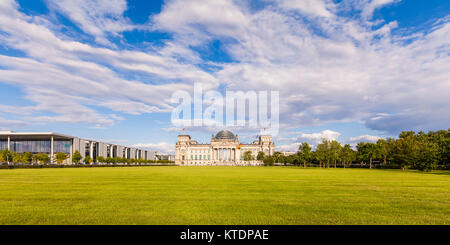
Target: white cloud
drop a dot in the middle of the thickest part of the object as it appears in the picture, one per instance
(6, 124)
(365, 138)
(329, 69)
(372, 5)
(95, 17)
(353, 141)
(66, 77)
(324, 135)
(313, 139)
(162, 147)
(200, 18)
(293, 147)
(311, 7)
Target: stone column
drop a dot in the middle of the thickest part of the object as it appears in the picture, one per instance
(71, 152)
(226, 154)
(9, 143)
(91, 151)
(51, 150)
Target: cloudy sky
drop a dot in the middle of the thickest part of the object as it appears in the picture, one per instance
(350, 70)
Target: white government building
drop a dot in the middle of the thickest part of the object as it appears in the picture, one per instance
(224, 149)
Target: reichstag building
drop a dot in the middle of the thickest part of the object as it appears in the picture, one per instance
(224, 149)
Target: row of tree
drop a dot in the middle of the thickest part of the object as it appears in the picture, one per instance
(43, 158)
(29, 158)
(423, 151)
(114, 160)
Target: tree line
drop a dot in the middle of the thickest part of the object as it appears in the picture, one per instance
(422, 151)
(43, 158)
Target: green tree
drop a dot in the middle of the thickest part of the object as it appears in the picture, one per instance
(87, 160)
(27, 157)
(427, 155)
(247, 156)
(117, 159)
(260, 156)
(442, 139)
(406, 134)
(42, 158)
(17, 158)
(109, 160)
(278, 157)
(6, 155)
(268, 161)
(322, 153)
(296, 160)
(405, 152)
(76, 158)
(304, 153)
(61, 157)
(101, 159)
(2, 159)
(348, 155)
(368, 152)
(385, 147)
(335, 151)
(289, 160)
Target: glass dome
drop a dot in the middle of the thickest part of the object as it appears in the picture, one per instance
(224, 135)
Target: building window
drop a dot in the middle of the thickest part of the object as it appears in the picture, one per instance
(33, 146)
(3, 144)
(61, 146)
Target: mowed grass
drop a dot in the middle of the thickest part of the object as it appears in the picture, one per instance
(223, 195)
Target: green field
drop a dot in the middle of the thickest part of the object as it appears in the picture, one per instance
(223, 195)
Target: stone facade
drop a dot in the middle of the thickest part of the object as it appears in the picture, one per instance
(224, 149)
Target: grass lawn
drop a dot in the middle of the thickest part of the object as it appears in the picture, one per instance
(223, 195)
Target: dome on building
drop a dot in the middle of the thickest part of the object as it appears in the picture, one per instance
(224, 135)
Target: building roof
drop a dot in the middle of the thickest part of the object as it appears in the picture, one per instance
(32, 135)
(224, 135)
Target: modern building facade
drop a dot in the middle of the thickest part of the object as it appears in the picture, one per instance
(167, 157)
(52, 143)
(224, 149)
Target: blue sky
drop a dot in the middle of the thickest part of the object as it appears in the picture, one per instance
(351, 70)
